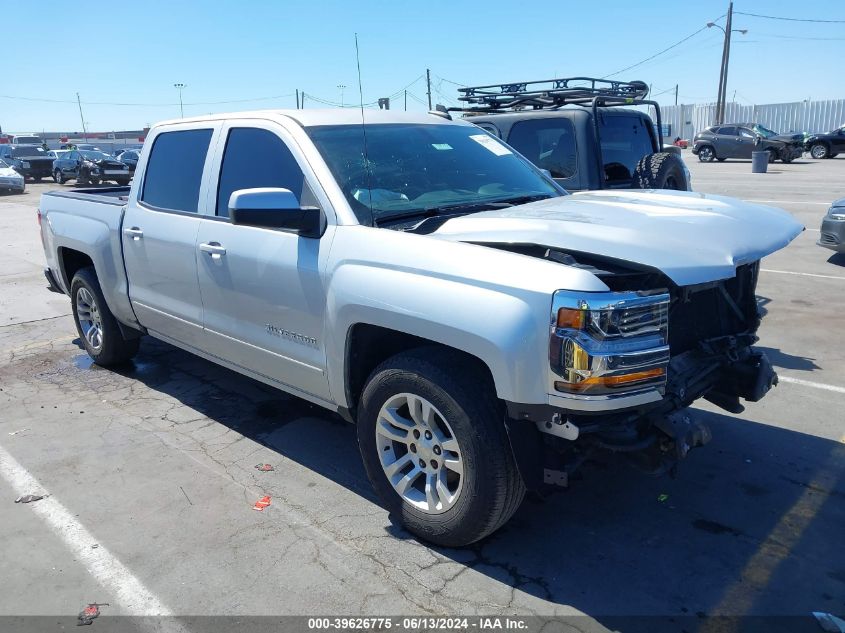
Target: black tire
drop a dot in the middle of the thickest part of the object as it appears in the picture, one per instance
(114, 349)
(122, 182)
(773, 155)
(786, 157)
(819, 151)
(94, 181)
(662, 170)
(58, 177)
(706, 153)
(491, 487)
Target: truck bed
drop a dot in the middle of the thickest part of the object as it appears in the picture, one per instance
(105, 195)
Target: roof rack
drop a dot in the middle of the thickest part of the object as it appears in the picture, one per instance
(551, 93)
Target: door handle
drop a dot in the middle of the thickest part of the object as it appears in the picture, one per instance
(135, 233)
(214, 249)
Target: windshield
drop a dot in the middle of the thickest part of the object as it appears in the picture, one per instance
(418, 167)
(23, 140)
(764, 132)
(3, 163)
(19, 152)
(92, 155)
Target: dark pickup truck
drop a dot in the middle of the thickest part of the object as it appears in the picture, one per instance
(595, 144)
(30, 161)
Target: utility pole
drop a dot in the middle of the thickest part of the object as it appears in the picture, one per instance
(406, 101)
(342, 87)
(302, 101)
(297, 98)
(82, 118)
(676, 94)
(180, 87)
(428, 85)
(728, 24)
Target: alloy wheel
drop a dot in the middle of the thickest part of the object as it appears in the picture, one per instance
(88, 316)
(419, 453)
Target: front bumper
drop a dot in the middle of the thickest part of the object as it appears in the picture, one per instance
(13, 184)
(833, 234)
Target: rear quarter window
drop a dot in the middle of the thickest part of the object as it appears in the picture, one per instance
(624, 141)
(174, 170)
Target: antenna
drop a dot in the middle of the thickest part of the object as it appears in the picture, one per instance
(364, 131)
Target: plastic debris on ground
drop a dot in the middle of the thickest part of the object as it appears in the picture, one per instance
(262, 503)
(29, 498)
(264, 468)
(18, 431)
(829, 622)
(87, 615)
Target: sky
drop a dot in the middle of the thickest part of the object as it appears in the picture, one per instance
(123, 58)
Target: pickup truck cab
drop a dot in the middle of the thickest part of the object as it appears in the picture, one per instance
(485, 330)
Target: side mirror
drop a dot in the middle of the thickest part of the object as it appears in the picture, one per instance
(274, 208)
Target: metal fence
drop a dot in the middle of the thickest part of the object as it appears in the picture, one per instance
(802, 116)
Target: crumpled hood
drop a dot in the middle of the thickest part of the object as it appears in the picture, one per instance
(789, 139)
(690, 237)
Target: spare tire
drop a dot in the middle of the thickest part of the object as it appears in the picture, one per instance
(661, 170)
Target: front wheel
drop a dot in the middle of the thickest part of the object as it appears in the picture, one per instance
(819, 151)
(706, 154)
(96, 325)
(435, 448)
(59, 177)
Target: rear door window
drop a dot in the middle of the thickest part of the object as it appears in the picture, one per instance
(625, 139)
(548, 143)
(257, 158)
(174, 170)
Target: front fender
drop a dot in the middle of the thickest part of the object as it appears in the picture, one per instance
(507, 332)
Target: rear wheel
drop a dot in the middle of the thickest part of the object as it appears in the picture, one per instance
(661, 171)
(819, 151)
(96, 325)
(706, 154)
(435, 448)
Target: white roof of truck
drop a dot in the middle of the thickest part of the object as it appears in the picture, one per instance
(326, 116)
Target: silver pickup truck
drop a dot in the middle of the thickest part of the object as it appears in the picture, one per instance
(486, 331)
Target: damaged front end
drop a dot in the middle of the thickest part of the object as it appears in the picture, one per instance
(626, 366)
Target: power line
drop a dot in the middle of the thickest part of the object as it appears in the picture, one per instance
(668, 48)
(109, 103)
(777, 17)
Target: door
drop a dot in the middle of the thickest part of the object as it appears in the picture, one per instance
(745, 142)
(159, 235)
(837, 142)
(68, 164)
(262, 290)
(726, 142)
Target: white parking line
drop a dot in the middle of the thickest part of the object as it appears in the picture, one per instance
(133, 597)
(809, 383)
(791, 272)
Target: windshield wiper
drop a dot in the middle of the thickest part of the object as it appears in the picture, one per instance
(463, 208)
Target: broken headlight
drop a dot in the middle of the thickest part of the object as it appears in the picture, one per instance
(608, 343)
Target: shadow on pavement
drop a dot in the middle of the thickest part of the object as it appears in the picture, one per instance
(752, 525)
(783, 360)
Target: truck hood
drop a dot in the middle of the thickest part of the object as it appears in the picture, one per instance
(691, 237)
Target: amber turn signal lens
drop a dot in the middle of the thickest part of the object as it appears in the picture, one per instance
(611, 381)
(571, 318)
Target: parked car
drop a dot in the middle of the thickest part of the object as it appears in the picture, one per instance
(30, 161)
(738, 140)
(10, 180)
(89, 166)
(130, 158)
(119, 152)
(826, 145)
(601, 146)
(833, 227)
(485, 330)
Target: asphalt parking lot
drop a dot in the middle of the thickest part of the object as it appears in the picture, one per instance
(151, 477)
